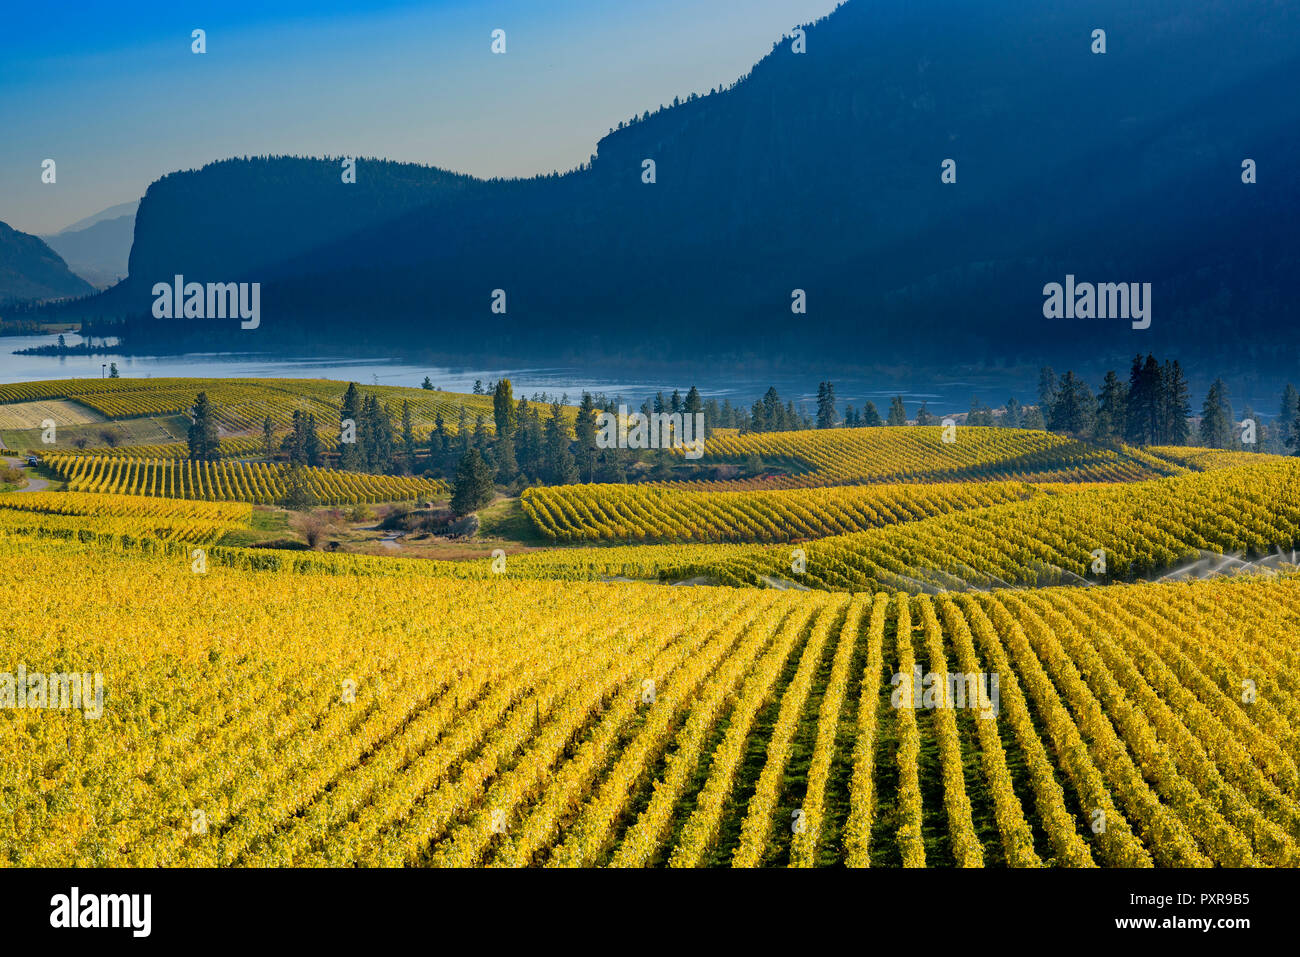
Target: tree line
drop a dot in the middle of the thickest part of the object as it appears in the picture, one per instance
(1153, 407)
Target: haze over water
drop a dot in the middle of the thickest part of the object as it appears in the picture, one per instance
(942, 396)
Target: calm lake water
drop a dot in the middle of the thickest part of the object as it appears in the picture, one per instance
(942, 396)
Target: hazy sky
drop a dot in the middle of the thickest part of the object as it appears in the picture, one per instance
(113, 93)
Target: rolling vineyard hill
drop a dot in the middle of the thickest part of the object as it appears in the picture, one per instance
(123, 520)
(1145, 530)
(915, 689)
(582, 513)
(233, 448)
(919, 454)
(1142, 528)
(395, 720)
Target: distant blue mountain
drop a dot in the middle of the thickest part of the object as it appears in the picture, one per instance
(818, 171)
(113, 212)
(31, 270)
(99, 250)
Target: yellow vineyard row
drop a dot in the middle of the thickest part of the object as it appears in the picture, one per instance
(577, 513)
(1099, 534)
(260, 718)
(924, 454)
(228, 480)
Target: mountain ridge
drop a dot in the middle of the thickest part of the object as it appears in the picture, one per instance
(818, 171)
(30, 269)
(98, 253)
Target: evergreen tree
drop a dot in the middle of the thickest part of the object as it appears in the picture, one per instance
(897, 414)
(1216, 418)
(979, 413)
(472, 488)
(713, 413)
(850, 417)
(1133, 402)
(463, 436)
(268, 438)
(427, 384)
(204, 445)
(560, 466)
(1290, 404)
(1144, 408)
(504, 456)
(311, 441)
(923, 415)
(439, 442)
(584, 428)
(1112, 404)
(529, 441)
(1072, 412)
(773, 411)
(112, 371)
(871, 417)
(1032, 419)
(376, 435)
(792, 420)
(481, 441)
(351, 455)
(826, 418)
(584, 424)
(1175, 405)
(293, 445)
(729, 417)
(365, 441)
(1011, 418)
(1288, 420)
(504, 413)
(692, 404)
(1048, 388)
(675, 403)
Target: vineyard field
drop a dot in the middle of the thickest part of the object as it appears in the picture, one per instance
(555, 724)
(229, 481)
(592, 513)
(882, 649)
(123, 519)
(1140, 529)
(1145, 530)
(825, 457)
(31, 415)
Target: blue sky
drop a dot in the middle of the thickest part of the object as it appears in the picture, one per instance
(112, 92)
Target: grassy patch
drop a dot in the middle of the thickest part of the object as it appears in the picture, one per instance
(505, 519)
(144, 431)
(266, 525)
(30, 415)
(269, 520)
